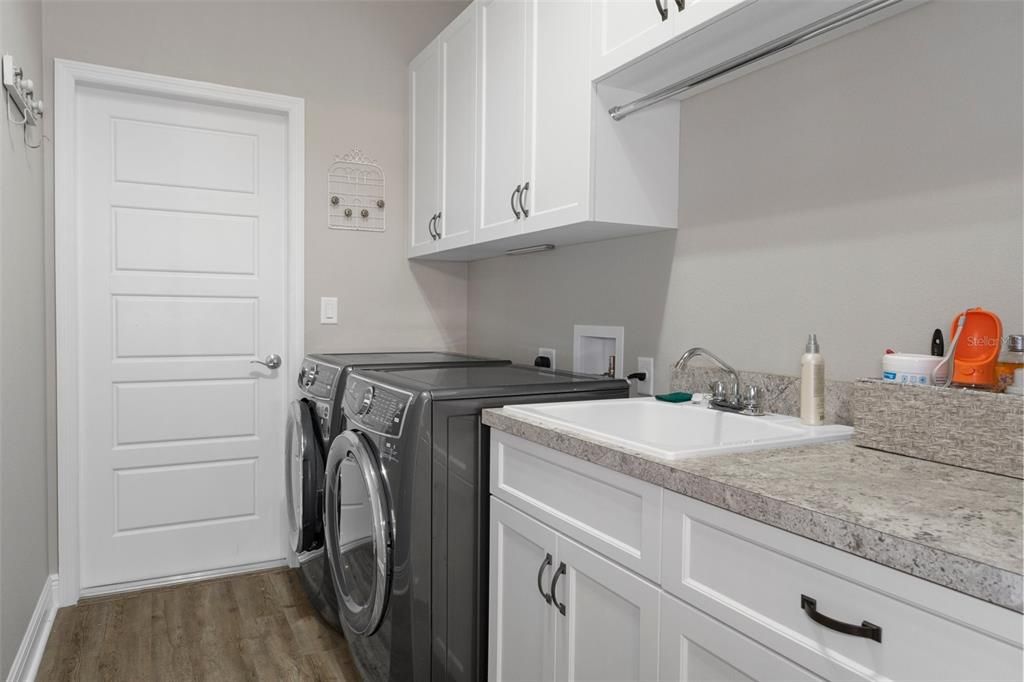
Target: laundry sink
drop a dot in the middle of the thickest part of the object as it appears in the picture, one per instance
(677, 431)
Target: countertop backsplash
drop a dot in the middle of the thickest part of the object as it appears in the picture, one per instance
(782, 393)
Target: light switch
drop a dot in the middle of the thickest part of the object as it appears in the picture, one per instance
(328, 310)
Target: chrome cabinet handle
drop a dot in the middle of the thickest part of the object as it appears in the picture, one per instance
(662, 10)
(522, 200)
(554, 584)
(681, 4)
(515, 193)
(437, 225)
(272, 361)
(540, 573)
(865, 629)
(430, 226)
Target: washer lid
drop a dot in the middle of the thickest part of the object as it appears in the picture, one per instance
(304, 472)
(357, 521)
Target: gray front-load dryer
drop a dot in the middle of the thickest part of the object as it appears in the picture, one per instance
(314, 420)
(406, 512)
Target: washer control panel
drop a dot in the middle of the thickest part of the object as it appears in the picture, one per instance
(376, 408)
(320, 382)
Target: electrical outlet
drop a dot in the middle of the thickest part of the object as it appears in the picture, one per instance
(328, 310)
(645, 365)
(548, 353)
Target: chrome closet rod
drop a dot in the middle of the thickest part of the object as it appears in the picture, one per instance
(818, 28)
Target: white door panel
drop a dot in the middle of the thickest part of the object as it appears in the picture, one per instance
(610, 627)
(182, 241)
(559, 113)
(505, 37)
(425, 148)
(459, 145)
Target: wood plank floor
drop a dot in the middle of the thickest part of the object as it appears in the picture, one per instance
(258, 626)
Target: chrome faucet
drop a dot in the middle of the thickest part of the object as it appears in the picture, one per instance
(750, 402)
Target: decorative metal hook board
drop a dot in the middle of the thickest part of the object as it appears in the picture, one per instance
(355, 189)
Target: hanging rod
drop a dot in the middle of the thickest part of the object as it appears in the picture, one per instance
(771, 48)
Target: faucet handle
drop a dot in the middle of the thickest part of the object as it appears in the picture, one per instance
(718, 391)
(753, 398)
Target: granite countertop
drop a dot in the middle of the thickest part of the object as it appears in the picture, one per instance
(955, 527)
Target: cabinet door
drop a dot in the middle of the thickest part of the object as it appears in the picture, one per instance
(504, 37)
(521, 645)
(697, 648)
(459, 131)
(424, 147)
(610, 627)
(626, 29)
(558, 118)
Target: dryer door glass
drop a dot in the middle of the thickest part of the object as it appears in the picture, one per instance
(358, 525)
(304, 472)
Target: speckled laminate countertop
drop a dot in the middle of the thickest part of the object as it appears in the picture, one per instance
(955, 527)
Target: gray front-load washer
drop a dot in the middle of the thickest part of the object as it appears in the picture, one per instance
(406, 512)
(314, 420)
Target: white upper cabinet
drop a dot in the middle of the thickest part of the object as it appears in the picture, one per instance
(634, 50)
(424, 148)
(504, 46)
(556, 186)
(459, 79)
(548, 169)
(626, 29)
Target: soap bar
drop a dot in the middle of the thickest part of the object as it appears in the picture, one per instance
(677, 397)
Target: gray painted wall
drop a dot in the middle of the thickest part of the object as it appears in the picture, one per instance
(23, 436)
(866, 190)
(349, 61)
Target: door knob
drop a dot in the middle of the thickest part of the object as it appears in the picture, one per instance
(272, 361)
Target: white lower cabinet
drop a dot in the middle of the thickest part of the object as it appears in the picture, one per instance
(521, 620)
(574, 595)
(609, 630)
(698, 648)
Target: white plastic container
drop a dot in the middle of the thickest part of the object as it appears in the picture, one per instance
(910, 368)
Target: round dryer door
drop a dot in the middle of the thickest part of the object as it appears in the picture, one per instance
(304, 470)
(357, 521)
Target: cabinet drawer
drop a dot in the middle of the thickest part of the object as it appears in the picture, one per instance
(697, 648)
(611, 513)
(753, 577)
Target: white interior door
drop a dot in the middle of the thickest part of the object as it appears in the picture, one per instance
(182, 235)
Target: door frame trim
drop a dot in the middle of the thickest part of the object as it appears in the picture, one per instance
(68, 77)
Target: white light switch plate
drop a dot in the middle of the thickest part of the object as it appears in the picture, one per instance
(328, 310)
(646, 365)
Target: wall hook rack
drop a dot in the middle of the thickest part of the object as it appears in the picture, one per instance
(355, 188)
(20, 91)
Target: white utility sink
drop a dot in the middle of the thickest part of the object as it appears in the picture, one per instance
(678, 430)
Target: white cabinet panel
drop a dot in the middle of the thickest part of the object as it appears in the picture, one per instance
(458, 45)
(558, 127)
(753, 577)
(610, 627)
(505, 42)
(614, 514)
(521, 619)
(697, 648)
(627, 29)
(424, 147)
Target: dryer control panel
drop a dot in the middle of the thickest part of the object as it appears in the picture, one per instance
(375, 408)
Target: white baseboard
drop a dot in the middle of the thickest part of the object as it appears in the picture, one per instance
(168, 581)
(33, 644)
